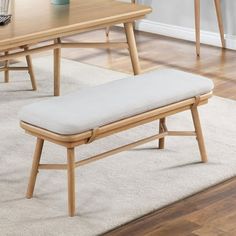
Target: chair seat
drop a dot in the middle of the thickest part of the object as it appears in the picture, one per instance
(96, 106)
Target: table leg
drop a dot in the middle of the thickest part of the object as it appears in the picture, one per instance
(198, 130)
(31, 70)
(57, 68)
(220, 22)
(197, 25)
(108, 28)
(134, 2)
(6, 72)
(71, 180)
(132, 47)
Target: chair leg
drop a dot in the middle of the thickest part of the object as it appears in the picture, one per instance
(6, 72)
(30, 70)
(162, 123)
(34, 169)
(107, 31)
(197, 25)
(71, 180)
(198, 130)
(220, 21)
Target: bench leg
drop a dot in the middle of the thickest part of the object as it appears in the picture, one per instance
(162, 124)
(30, 70)
(198, 130)
(107, 30)
(132, 48)
(35, 165)
(71, 180)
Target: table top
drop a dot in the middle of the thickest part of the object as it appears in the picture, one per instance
(38, 20)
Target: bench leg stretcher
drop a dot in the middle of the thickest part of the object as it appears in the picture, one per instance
(72, 164)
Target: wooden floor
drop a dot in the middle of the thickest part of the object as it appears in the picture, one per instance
(209, 213)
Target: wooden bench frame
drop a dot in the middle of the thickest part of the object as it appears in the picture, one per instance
(72, 141)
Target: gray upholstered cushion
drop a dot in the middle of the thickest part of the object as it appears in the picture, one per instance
(96, 106)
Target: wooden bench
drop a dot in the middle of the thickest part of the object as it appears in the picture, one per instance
(96, 112)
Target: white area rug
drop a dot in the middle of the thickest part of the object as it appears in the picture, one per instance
(112, 191)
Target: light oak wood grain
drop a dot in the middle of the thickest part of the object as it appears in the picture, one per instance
(48, 21)
(7, 67)
(31, 70)
(71, 180)
(34, 169)
(51, 22)
(197, 23)
(6, 71)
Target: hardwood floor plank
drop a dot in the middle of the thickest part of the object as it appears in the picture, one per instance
(177, 228)
(183, 209)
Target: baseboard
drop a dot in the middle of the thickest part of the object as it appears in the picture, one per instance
(179, 32)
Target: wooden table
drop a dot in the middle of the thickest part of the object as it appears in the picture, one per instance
(197, 22)
(37, 21)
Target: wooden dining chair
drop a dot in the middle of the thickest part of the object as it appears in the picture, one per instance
(7, 68)
(197, 23)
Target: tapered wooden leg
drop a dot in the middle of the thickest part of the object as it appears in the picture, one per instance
(132, 48)
(134, 2)
(34, 169)
(6, 72)
(162, 123)
(198, 130)
(197, 25)
(71, 180)
(57, 69)
(220, 21)
(107, 30)
(31, 71)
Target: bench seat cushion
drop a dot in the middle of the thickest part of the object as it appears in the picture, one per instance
(96, 106)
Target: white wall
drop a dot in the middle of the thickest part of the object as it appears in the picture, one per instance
(180, 13)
